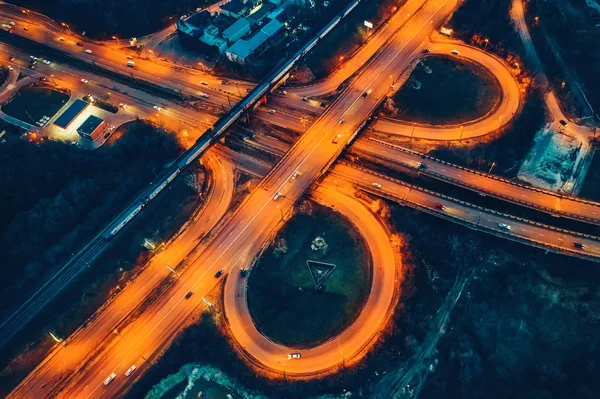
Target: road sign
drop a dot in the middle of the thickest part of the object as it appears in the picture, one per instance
(368, 24)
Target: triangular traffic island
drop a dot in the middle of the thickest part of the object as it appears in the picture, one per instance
(319, 271)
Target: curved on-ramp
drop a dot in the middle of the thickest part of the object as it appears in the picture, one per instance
(499, 117)
(64, 361)
(352, 343)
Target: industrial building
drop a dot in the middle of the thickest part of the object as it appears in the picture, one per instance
(92, 127)
(71, 113)
(242, 49)
(242, 30)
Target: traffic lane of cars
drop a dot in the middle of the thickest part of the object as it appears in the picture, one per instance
(550, 202)
(537, 235)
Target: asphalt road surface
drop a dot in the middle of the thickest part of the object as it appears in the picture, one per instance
(64, 360)
(521, 230)
(502, 114)
(259, 216)
(355, 340)
(547, 201)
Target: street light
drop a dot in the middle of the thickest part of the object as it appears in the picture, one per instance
(486, 43)
(117, 39)
(171, 269)
(66, 26)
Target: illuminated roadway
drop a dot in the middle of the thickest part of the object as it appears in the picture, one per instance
(256, 219)
(358, 336)
(243, 236)
(375, 42)
(522, 230)
(63, 361)
(500, 116)
(544, 200)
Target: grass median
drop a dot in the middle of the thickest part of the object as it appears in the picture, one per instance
(282, 298)
(444, 90)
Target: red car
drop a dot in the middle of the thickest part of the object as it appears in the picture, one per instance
(439, 206)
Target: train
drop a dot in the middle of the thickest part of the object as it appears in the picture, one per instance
(214, 134)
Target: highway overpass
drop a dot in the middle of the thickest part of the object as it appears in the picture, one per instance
(66, 274)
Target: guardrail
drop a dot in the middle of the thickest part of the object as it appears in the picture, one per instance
(477, 226)
(442, 177)
(67, 273)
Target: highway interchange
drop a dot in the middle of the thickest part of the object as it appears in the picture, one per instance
(114, 341)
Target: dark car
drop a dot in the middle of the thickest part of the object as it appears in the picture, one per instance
(79, 44)
(244, 273)
(189, 294)
(219, 273)
(364, 94)
(578, 245)
(563, 122)
(425, 50)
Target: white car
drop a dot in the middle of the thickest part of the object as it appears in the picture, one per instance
(203, 83)
(10, 68)
(294, 356)
(33, 57)
(504, 226)
(84, 80)
(122, 105)
(340, 121)
(272, 111)
(47, 62)
(109, 378)
(88, 51)
(204, 95)
(455, 52)
(130, 370)
(156, 107)
(277, 196)
(295, 175)
(376, 185)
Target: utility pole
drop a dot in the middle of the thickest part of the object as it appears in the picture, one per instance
(491, 167)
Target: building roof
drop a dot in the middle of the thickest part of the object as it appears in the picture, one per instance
(277, 12)
(240, 49)
(199, 19)
(243, 48)
(260, 13)
(65, 119)
(89, 125)
(234, 6)
(213, 40)
(239, 27)
(272, 27)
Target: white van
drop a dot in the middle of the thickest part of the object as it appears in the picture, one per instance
(130, 64)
